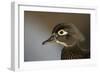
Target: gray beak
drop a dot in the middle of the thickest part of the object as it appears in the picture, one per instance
(48, 40)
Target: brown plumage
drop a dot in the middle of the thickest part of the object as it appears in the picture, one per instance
(74, 53)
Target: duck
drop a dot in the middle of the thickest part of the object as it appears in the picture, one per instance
(69, 36)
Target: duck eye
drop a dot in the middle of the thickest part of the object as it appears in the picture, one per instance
(62, 32)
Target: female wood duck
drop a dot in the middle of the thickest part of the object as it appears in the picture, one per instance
(71, 38)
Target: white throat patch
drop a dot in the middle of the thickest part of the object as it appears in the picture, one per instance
(62, 43)
(65, 44)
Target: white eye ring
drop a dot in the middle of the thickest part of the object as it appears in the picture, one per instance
(63, 32)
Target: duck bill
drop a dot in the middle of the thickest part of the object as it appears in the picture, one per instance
(48, 40)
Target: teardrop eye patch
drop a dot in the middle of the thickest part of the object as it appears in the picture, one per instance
(62, 32)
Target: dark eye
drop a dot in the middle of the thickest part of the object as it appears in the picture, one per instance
(62, 32)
